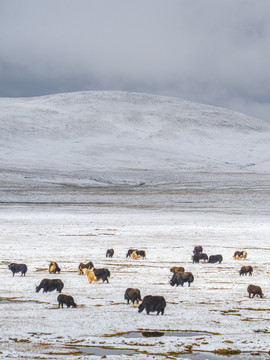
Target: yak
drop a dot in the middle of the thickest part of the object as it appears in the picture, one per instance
(110, 253)
(175, 269)
(197, 249)
(82, 266)
(15, 268)
(199, 256)
(152, 303)
(246, 270)
(54, 268)
(180, 278)
(133, 295)
(240, 255)
(254, 290)
(215, 258)
(50, 285)
(66, 299)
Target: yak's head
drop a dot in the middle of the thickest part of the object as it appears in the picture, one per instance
(141, 306)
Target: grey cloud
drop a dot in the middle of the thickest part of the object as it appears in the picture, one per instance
(207, 51)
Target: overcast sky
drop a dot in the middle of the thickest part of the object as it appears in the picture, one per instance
(210, 51)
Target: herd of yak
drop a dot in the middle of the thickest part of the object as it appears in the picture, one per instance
(151, 303)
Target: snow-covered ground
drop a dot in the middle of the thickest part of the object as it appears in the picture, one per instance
(216, 305)
(84, 172)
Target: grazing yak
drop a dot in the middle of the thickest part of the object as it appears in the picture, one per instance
(255, 290)
(215, 258)
(180, 278)
(240, 255)
(110, 253)
(82, 266)
(199, 256)
(54, 268)
(175, 269)
(50, 285)
(66, 299)
(197, 249)
(152, 303)
(15, 268)
(133, 295)
(246, 270)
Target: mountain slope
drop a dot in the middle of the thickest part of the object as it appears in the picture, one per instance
(112, 131)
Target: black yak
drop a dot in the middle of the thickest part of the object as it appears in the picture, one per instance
(180, 278)
(197, 249)
(50, 285)
(66, 299)
(254, 290)
(133, 295)
(199, 256)
(15, 268)
(153, 303)
(215, 258)
(246, 270)
(110, 253)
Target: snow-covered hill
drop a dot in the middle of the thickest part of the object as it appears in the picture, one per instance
(118, 131)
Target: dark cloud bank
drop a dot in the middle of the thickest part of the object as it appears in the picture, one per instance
(214, 52)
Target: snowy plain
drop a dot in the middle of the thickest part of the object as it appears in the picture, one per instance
(84, 172)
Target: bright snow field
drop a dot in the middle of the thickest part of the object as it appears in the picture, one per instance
(216, 305)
